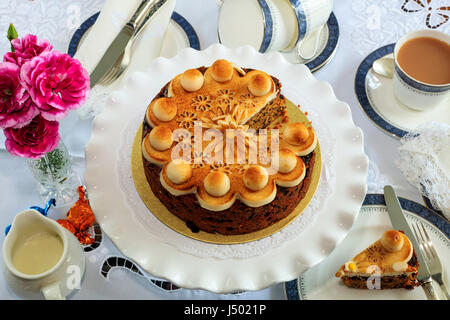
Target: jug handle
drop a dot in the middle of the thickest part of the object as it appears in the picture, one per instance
(52, 291)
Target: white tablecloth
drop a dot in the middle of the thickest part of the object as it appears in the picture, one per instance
(364, 26)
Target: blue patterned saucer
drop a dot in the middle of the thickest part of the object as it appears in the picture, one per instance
(376, 98)
(177, 20)
(319, 282)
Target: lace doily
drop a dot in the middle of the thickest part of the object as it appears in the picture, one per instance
(425, 162)
(55, 21)
(377, 23)
(376, 180)
(208, 250)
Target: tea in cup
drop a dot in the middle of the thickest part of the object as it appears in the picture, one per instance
(421, 77)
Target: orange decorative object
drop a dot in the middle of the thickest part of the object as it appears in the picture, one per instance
(66, 224)
(79, 218)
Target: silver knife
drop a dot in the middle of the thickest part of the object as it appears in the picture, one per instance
(118, 45)
(399, 222)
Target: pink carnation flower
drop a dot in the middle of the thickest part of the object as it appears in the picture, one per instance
(34, 140)
(56, 82)
(26, 49)
(17, 109)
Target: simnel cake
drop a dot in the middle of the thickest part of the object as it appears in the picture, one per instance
(392, 258)
(220, 152)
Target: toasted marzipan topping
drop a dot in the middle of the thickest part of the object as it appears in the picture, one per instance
(152, 155)
(178, 171)
(192, 80)
(256, 178)
(163, 109)
(239, 87)
(208, 205)
(377, 258)
(217, 183)
(295, 133)
(293, 182)
(286, 161)
(239, 69)
(222, 70)
(304, 149)
(252, 201)
(392, 240)
(260, 84)
(237, 186)
(161, 138)
(173, 191)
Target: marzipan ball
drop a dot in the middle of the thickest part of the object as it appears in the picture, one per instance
(256, 178)
(222, 70)
(178, 171)
(295, 133)
(164, 110)
(161, 138)
(260, 84)
(392, 240)
(217, 183)
(192, 80)
(287, 160)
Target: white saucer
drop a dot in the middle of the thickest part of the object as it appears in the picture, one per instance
(179, 35)
(326, 47)
(376, 96)
(320, 283)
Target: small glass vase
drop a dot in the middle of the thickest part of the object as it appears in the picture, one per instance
(55, 176)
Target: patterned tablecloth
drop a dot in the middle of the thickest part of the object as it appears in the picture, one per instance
(364, 26)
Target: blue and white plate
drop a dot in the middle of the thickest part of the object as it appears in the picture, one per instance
(180, 34)
(320, 283)
(328, 41)
(376, 96)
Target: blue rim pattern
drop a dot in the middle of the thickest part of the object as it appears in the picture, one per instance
(430, 206)
(301, 18)
(268, 26)
(291, 287)
(418, 85)
(194, 41)
(332, 42)
(361, 94)
(73, 45)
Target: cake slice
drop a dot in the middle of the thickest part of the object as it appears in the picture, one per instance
(390, 262)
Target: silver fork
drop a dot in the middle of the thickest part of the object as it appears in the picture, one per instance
(431, 255)
(124, 60)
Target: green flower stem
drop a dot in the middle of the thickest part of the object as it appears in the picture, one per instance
(12, 34)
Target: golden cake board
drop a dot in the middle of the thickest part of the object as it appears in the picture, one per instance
(165, 216)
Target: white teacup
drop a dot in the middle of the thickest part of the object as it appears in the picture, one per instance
(270, 25)
(411, 92)
(53, 283)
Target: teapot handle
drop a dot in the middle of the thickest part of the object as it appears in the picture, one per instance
(52, 291)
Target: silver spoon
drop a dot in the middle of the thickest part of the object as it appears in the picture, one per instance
(384, 66)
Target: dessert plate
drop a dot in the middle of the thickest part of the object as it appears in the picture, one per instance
(326, 47)
(180, 34)
(151, 250)
(320, 283)
(376, 97)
